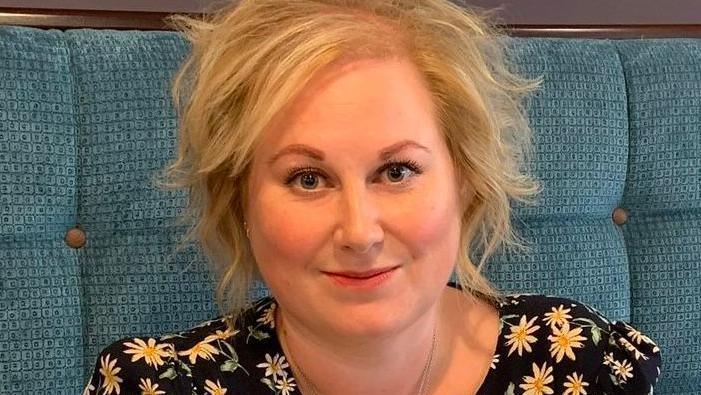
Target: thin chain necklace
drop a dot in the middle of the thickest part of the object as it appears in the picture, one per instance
(425, 374)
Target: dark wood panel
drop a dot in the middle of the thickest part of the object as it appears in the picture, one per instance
(606, 31)
(74, 19)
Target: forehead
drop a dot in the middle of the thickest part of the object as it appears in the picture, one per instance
(362, 103)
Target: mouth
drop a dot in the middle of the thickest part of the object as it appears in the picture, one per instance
(366, 280)
(362, 275)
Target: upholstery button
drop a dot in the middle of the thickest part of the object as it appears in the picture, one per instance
(75, 238)
(620, 216)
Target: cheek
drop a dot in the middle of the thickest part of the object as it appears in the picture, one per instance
(283, 235)
(433, 220)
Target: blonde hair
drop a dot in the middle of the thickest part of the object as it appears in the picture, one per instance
(249, 59)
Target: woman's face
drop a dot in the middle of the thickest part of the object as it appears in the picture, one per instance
(355, 177)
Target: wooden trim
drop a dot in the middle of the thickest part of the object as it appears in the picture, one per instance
(97, 19)
(606, 31)
(77, 19)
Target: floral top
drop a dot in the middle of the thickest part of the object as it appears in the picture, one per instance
(547, 345)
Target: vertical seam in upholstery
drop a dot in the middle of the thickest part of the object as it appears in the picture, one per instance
(78, 252)
(625, 179)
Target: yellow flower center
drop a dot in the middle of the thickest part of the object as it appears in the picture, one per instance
(110, 377)
(197, 348)
(150, 352)
(539, 383)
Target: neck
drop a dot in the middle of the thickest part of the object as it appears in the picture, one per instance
(393, 364)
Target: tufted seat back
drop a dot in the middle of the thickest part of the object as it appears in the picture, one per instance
(87, 244)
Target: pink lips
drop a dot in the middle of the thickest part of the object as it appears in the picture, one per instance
(364, 280)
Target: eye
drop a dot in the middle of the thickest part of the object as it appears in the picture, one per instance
(308, 178)
(399, 171)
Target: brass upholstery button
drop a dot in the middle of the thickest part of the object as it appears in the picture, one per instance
(620, 216)
(75, 238)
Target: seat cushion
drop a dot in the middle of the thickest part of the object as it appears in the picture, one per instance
(663, 196)
(135, 281)
(41, 342)
(580, 129)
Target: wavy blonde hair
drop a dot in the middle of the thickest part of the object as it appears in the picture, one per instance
(250, 58)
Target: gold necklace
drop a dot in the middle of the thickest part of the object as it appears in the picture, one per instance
(425, 374)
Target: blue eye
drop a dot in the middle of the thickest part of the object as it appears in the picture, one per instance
(397, 173)
(309, 177)
(409, 164)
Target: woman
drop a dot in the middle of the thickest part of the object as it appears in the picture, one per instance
(344, 152)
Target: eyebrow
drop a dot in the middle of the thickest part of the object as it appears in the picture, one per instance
(384, 154)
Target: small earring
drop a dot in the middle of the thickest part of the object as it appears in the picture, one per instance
(245, 225)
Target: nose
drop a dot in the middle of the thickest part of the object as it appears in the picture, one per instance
(359, 230)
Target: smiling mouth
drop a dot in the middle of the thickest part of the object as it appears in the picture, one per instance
(367, 280)
(362, 275)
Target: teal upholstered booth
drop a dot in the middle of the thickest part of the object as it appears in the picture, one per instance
(86, 119)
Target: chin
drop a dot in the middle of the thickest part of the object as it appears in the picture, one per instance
(369, 321)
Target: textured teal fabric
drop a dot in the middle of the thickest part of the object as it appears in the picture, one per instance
(580, 132)
(663, 195)
(40, 317)
(86, 119)
(134, 281)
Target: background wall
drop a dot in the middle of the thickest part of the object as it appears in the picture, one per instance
(514, 11)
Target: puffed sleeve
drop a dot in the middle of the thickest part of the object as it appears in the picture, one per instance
(631, 361)
(139, 365)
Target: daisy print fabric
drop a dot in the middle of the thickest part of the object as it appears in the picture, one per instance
(547, 345)
(554, 345)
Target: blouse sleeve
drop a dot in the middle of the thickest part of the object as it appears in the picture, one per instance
(631, 360)
(138, 365)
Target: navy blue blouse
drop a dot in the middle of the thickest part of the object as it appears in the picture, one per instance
(547, 345)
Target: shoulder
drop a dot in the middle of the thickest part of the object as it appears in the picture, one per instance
(552, 310)
(574, 343)
(208, 356)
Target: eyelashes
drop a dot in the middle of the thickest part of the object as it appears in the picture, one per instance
(413, 167)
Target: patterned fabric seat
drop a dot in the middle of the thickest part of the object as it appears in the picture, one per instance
(86, 119)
